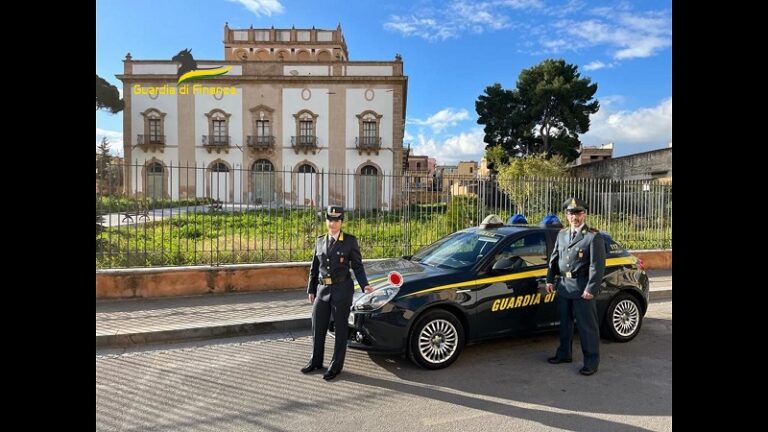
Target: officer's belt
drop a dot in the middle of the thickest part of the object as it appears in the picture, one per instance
(330, 281)
(574, 275)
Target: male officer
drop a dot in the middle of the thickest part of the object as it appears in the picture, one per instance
(330, 289)
(579, 259)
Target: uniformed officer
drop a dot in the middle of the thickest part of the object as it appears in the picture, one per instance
(579, 259)
(330, 290)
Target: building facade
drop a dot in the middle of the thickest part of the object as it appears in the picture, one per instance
(291, 109)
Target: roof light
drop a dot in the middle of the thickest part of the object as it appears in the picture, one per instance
(491, 221)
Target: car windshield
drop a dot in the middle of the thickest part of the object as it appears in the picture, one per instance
(459, 250)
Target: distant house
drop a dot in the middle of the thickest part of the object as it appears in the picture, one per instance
(650, 165)
(292, 107)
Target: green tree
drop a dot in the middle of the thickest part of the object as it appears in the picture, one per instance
(523, 179)
(545, 113)
(107, 96)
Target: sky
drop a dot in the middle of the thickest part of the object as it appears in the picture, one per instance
(451, 50)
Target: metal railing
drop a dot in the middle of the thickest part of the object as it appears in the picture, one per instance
(304, 141)
(368, 142)
(187, 215)
(261, 141)
(216, 140)
(142, 139)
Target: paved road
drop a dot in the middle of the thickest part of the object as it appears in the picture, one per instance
(253, 384)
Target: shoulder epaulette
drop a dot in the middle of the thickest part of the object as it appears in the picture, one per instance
(564, 229)
(594, 230)
(321, 236)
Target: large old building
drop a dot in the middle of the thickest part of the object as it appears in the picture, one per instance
(290, 109)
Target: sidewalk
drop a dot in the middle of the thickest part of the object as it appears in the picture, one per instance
(131, 322)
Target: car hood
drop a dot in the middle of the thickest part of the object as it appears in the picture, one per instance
(377, 272)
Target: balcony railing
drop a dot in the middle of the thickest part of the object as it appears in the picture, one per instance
(261, 141)
(150, 139)
(304, 141)
(216, 140)
(368, 143)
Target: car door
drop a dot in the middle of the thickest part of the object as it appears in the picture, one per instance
(514, 300)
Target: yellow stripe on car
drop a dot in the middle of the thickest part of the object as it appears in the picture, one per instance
(505, 278)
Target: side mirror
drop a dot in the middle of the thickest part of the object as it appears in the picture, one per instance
(508, 264)
(502, 265)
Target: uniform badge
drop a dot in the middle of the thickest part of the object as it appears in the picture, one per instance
(581, 253)
(341, 259)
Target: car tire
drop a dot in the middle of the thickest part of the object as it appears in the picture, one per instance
(623, 318)
(436, 340)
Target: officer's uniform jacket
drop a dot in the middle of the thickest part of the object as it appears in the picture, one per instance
(579, 262)
(329, 272)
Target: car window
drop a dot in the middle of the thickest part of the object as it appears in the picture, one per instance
(527, 251)
(458, 250)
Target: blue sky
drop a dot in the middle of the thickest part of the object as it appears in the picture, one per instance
(452, 50)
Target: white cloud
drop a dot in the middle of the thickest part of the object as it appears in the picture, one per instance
(449, 151)
(597, 64)
(442, 119)
(115, 140)
(631, 35)
(261, 7)
(631, 131)
(441, 23)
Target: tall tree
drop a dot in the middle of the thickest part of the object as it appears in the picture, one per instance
(107, 96)
(545, 113)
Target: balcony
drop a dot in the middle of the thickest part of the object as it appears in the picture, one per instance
(218, 143)
(151, 143)
(368, 144)
(261, 141)
(305, 143)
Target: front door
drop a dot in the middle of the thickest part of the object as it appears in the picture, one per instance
(517, 302)
(220, 182)
(155, 181)
(369, 196)
(263, 181)
(306, 187)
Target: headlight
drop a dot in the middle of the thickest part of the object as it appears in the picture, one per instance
(375, 300)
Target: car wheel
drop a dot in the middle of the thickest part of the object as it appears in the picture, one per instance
(623, 318)
(436, 340)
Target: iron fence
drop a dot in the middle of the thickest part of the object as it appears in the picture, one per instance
(169, 215)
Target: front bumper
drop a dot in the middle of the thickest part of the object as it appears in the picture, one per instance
(383, 331)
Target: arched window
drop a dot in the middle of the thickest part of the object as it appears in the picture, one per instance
(220, 167)
(306, 168)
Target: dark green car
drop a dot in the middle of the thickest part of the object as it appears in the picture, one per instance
(482, 283)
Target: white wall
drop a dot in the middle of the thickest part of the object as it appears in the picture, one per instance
(306, 70)
(318, 103)
(230, 104)
(164, 68)
(382, 103)
(368, 71)
(166, 104)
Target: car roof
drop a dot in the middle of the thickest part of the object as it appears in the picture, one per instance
(507, 230)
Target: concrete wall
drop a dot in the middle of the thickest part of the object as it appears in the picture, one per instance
(656, 164)
(184, 281)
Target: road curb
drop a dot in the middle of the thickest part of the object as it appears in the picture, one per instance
(127, 340)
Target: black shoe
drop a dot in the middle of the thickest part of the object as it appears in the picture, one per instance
(331, 375)
(309, 368)
(587, 371)
(558, 360)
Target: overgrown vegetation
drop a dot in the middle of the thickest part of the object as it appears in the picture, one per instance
(280, 235)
